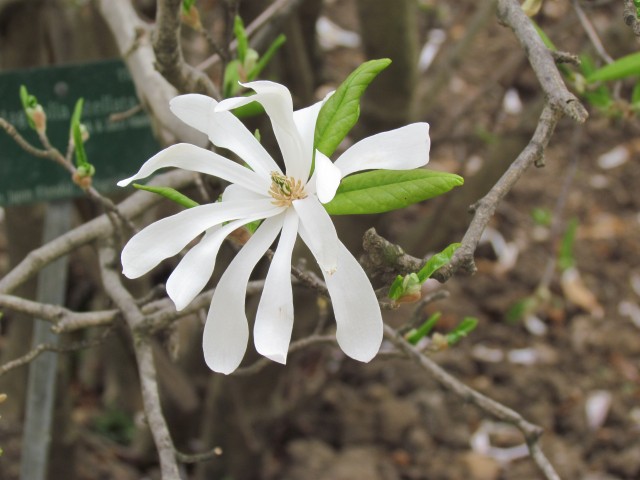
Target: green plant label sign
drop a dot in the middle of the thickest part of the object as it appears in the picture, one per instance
(114, 144)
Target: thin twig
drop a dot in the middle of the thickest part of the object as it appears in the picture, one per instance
(294, 347)
(591, 32)
(46, 347)
(530, 431)
(510, 13)
(274, 12)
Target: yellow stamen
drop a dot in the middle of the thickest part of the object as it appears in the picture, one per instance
(285, 190)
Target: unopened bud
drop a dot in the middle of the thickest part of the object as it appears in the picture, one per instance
(531, 7)
(39, 118)
(191, 18)
(439, 341)
(83, 181)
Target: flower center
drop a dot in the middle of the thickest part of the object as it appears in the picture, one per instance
(285, 190)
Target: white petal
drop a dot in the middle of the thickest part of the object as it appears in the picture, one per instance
(190, 157)
(274, 319)
(168, 236)
(277, 102)
(224, 129)
(194, 110)
(305, 121)
(355, 306)
(235, 192)
(401, 149)
(226, 332)
(194, 271)
(327, 177)
(323, 238)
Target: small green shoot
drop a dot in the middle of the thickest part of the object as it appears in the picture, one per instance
(566, 257)
(465, 327)
(415, 335)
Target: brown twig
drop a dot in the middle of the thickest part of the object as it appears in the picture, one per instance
(587, 26)
(294, 347)
(510, 13)
(169, 59)
(530, 431)
(45, 347)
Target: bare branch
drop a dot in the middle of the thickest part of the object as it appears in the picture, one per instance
(146, 367)
(275, 12)
(154, 92)
(630, 15)
(45, 347)
(530, 431)
(510, 13)
(133, 206)
(170, 61)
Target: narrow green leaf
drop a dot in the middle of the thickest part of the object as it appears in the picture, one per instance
(385, 190)
(78, 143)
(268, 55)
(341, 111)
(621, 68)
(241, 37)
(28, 100)
(467, 326)
(417, 334)
(395, 291)
(169, 193)
(439, 260)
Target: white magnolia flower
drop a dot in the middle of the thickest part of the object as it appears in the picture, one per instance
(290, 204)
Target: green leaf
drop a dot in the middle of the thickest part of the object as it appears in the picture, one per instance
(170, 193)
(417, 334)
(76, 132)
(385, 190)
(231, 78)
(403, 286)
(635, 94)
(621, 68)
(266, 58)
(467, 326)
(566, 259)
(542, 216)
(438, 261)
(341, 111)
(521, 309)
(187, 4)
(241, 37)
(29, 102)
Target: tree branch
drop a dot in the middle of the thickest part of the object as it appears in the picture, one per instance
(146, 367)
(131, 207)
(630, 16)
(169, 59)
(530, 431)
(510, 13)
(153, 90)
